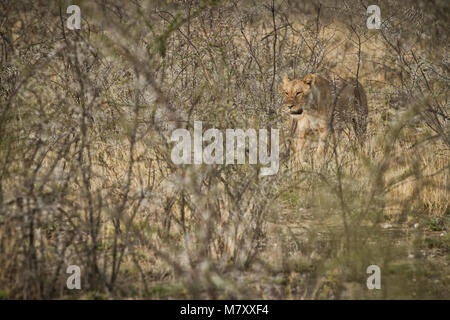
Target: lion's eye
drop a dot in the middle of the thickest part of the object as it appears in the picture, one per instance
(286, 93)
(298, 93)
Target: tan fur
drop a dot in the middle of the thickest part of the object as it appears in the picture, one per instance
(319, 106)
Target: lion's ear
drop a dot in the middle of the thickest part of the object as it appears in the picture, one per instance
(285, 83)
(309, 79)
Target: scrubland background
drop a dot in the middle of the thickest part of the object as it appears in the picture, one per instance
(85, 171)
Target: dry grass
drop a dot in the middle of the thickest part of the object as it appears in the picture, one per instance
(86, 176)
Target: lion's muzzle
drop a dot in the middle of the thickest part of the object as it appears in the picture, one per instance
(295, 110)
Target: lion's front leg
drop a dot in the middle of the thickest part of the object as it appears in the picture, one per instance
(322, 145)
(301, 142)
(301, 149)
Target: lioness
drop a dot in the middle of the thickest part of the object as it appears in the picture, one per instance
(318, 106)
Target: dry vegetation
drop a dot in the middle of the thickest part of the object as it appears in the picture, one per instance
(86, 176)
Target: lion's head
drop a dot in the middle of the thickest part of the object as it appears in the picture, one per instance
(298, 94)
